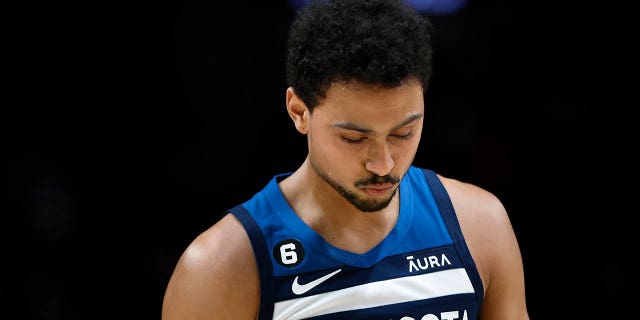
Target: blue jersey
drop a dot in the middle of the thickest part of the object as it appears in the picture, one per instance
(421, 270)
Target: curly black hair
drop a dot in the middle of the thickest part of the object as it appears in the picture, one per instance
(375, 42)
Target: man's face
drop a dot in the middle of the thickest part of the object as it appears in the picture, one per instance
(363, 139)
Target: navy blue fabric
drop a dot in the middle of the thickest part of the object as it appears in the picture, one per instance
(429, 229)
(263, 261)
(451, 220)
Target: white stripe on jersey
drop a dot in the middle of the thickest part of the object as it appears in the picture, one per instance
(374, 294)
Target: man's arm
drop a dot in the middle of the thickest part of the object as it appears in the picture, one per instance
(215, 278)
(494, 247)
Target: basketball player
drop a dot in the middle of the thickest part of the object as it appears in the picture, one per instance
(357, 231)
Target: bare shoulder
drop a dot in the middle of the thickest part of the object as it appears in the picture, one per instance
(216, 277)
(478, 210)
(492, 242)
(482, 218)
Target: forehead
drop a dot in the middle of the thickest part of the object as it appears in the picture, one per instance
(370, 106)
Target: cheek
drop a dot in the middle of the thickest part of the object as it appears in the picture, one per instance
(340, 154)
(331, 147)
(335, 157)
(404, 154)
(323, 148)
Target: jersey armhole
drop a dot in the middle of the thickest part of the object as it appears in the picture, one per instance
(451, 221)
(263, 260)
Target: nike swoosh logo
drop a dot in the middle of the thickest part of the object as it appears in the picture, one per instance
(302, 288)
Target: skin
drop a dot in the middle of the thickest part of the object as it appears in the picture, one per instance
(361, 141)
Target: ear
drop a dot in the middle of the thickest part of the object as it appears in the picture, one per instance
(298, 111)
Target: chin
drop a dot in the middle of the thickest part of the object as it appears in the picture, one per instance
(372, 204)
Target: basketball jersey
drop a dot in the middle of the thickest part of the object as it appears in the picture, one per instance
(421, 270)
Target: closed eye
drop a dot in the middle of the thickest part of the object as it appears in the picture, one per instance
(403, 136)
(352, 141)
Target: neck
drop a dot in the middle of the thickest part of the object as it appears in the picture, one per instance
(332, 216)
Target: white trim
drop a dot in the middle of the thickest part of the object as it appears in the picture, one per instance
(374, 294)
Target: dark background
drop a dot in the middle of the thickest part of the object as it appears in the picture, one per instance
(130, 127)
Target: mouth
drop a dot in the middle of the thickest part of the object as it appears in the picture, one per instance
(377, 190)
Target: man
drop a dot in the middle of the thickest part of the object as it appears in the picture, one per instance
(356, 232)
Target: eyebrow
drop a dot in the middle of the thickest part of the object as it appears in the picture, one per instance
(355, 127)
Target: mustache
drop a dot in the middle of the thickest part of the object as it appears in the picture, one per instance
(376, 180)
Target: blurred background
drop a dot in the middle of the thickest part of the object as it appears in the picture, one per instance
(130, 127)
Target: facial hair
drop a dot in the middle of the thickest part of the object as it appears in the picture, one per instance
(365, 205)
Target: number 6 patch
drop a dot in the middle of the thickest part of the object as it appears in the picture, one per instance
(288, 253)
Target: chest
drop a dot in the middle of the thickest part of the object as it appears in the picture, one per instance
(430, 282)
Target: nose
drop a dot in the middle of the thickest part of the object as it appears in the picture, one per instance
(380, 160)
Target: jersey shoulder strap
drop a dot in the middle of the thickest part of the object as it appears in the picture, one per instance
(451, 221)
(261, 253)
